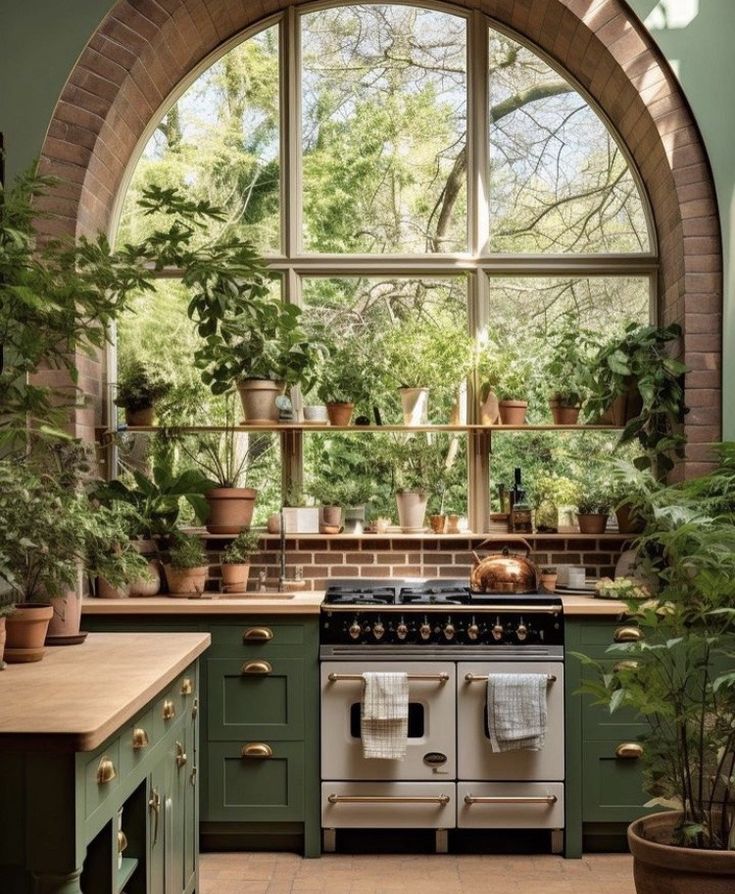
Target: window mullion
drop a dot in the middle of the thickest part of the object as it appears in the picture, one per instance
(477, 130)
(291, 133)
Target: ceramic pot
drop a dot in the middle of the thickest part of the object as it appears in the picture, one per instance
(2, 640)
(411, 510)
(67, 617)
(340, 414)
(437, 523)
(26, 630)
(563, 415)
(513, 412)
(332, 515)
(235, 578)
(230, 509)
(258, 398)
(629, 522)
(146, 416)
(661, 868)
(105, 590)
(452, 524)
(490, 410)
(548, 581)
(415, 404)
(625, 406)
(186, 581)
(354, 517)
(316, 413)
(150, 586)
(592, 523)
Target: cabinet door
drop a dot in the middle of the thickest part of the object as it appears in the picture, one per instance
(254, 698)
(156, 830)
(612, 786)
(191, 803)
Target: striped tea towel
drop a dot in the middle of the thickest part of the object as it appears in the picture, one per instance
(384, 716)
(516, 711)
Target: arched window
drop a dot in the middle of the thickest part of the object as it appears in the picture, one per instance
(409, 172)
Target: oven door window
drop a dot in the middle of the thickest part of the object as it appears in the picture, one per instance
(415, 720)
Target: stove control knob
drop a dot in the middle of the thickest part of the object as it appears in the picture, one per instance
(425, 630)
(498, 632)
(521, 632)
(473, 632)
(355, 630)
(449, 631)
(378, 630)
(401, 631)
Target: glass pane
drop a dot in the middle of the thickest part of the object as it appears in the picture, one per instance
(558, 180)
(384, 130)
(221, 142)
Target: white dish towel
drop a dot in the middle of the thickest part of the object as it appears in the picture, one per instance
(516, 711)
(384, 715)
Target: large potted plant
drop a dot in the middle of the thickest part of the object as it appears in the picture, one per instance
(505, 376)
(418, 466)
(235, 561)
(678, 677)
(342, 384)
(138, 390)
(187, 568)
(569, 350)
(593, 508)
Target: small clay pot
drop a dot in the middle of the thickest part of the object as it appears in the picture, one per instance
(235, 577)
(563, 415)
(340, 413)
(230, 509)
(628, 521)
(146, 416)
(513, 412)
(437, 523)
(592, 523)
(186, 581)
(548, 582)
(332, 516)
(452, 524)
(26, 630)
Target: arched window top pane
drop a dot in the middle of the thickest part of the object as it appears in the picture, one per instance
(558, 180)
(384, 102)
(220, 141)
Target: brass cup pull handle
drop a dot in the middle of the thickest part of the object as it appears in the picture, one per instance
(628, 635)
(625, 665)
(187, 687)
(140, 739)
(443, 800)
(256, 750)
(256, 668)
(629, 751)
(154, 804)
(510, 799)
(122, 842)
(257, 635)
(106, 771)
(180, 755)
(169, 710)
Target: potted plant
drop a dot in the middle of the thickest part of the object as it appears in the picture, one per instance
(551, 494)
(505, 376)
(418, 467)
(235, 561)
(548, 578)
(569, 351)
(593, 509)
(677, 677)
(138, 391)
(187, 569)
(341, 384)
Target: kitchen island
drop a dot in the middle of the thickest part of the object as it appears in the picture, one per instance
(98, 767)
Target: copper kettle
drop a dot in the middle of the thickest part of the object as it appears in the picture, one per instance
(508, 571)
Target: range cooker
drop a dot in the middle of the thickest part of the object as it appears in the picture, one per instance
(447, 640)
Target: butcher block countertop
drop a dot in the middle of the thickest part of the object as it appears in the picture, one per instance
(80, 695)
(306, 603)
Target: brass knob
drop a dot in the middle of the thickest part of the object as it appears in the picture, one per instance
(378, 630)
(402, 631)
(106, 771)
(256, 750)
(122, 842)
(425, 631)
(449, 632)
(195, 707)
(355, 630)
(169, 710)
(257, 635)
(498, 632)
(473, 631)
(256, 668)
(180, 755)
(140, 739)
(628, 634)
(629, 751)
(626, 664)
(187, 687)
(522, 632)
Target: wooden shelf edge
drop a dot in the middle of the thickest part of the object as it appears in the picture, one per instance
(427, 535)
(125, 872)
(353, 429)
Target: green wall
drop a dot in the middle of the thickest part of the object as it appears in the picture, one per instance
(41, 39)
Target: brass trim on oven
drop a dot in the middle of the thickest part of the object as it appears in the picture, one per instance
(510, 799)
(438, 678)
(443, 800)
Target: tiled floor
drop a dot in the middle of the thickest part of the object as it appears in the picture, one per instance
(265, 873)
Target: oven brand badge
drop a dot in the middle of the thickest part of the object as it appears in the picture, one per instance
(436, 760)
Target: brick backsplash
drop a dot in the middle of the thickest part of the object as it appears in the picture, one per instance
(322, 560)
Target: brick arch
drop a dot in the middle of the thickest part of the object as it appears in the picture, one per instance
(144, 48)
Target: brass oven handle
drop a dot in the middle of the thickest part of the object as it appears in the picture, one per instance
(388, 799)
(629, 751)
(256, 750)
(257, 668)
(479, 678)
(187, 687)
(628, 635)
(510, 799)
(154, 804)
(140, 739)
(106, 771)
(625, 665)
(337, 678)
(169, 710)
(257, 635)
(180, 755)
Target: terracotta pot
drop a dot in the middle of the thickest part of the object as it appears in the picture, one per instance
(340, 414)
(235, 578)
(548, 581)
(105, 590)
(513, 412)
(186, 581)
(145, 416)
(2, 640)
(592, 523)
(563, 415)
(332, 515)
(437, 523)
(258, 398)
(628, 521)
(625, 407)
(661, 868)
(411, 510)
(26, 631)
(67, 617)
(452, 524)
(490, 410)
(230, 509)
(415, 404)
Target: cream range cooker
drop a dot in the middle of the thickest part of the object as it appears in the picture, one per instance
(447, 640)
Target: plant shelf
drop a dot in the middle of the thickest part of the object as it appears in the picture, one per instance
(125, 873)
(372, 429)
(427, 535)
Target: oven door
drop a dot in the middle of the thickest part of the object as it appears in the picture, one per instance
(476, 761)
(430, 752)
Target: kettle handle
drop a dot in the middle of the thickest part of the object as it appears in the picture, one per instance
(500, 541)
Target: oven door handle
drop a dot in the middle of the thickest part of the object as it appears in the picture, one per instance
(480, 678)
(339, 678)
(510, 799)
(443, 800)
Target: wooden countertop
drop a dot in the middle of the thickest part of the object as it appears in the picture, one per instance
(78, 696)
(301, 604)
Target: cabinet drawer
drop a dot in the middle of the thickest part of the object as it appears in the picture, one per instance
(175, 702)
(255, 697)
(254, 637)
(248, 789)
(510, 805)
(388, 805)
(105, 765)
(136, 740)
(599, 723)
(596, 638)
(612, 787)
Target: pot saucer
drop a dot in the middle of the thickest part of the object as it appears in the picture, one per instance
(71, 639)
